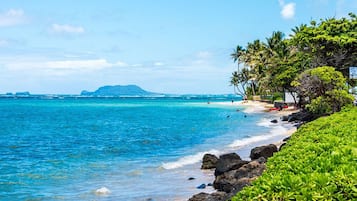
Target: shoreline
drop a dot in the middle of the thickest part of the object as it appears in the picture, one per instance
(263, 107)
(251, 107)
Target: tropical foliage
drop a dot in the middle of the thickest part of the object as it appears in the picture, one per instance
(274, 64)
(318, 163)
(323, 89)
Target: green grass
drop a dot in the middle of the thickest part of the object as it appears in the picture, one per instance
(318, 163)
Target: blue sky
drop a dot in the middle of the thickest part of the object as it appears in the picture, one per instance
(176, 46)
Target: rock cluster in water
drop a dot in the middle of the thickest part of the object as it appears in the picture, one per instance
(232, 173)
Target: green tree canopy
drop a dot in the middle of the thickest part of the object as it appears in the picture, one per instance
(332, 42)
(324, 89)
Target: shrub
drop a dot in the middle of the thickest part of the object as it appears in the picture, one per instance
(318, 163)
(324, 88)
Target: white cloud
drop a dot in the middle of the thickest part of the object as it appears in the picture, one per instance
(78, 64)
(62, 67)
(12, 17)
(67, 29)
(159, 63)
(287, 9)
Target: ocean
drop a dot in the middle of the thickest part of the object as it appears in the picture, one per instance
(120, 148)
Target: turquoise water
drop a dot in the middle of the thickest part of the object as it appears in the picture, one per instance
(136, 148)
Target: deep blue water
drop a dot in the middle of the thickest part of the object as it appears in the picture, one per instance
(66, 149)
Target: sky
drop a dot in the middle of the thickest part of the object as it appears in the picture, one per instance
(165, 46)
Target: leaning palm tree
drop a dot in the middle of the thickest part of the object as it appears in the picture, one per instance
(240, 80)
(237, 55)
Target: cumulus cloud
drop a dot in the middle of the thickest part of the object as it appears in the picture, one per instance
(12, 17)
(62, 67)
(287, 9)
(67, 29)
(79, 64)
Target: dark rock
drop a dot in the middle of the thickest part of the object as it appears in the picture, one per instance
(284, 118)
(228, 162)
(263, 151)
(251, 170)
(261, 160)
(202, 186)
(231, 185)
(235, 180)
(217, 196)
(225, 182)
(200, 197)
(274, 121)
(291, 118)
(209, 184)
(209, 161)
(301, 116)
(191, 178)
(220, 196)
(286, 139)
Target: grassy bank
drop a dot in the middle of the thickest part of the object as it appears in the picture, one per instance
(318, 163)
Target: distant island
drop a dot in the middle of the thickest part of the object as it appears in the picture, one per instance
(119, 90)
(116, 91)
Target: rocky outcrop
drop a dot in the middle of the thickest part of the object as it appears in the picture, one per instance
(217, 196)
(302, 116)
(263, 151)
(228, 162)
(232, 173)
(234, 180)
(209, 161)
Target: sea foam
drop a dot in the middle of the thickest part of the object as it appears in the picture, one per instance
(276, 131)
(188, 160)
(102, 191)
(265, 122)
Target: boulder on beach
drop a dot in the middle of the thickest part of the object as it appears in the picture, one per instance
(235, 180)
(191, 178)
(209, 161)
(228, 162)
(284, 118)
(202, 186)
(252, 169)
(274, 121)
(217, 196)
(301, 116)
(263, 151)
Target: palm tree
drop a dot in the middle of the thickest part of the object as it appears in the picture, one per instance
(237, 54)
